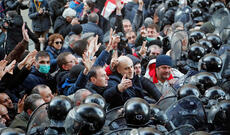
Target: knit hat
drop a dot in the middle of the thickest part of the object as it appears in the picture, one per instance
(163, 60)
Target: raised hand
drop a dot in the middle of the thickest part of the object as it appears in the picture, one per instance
(28, 59)
(119, 5)
(21, 104)
(111, 41)
(141, 3)
(10, 67)
(114, 60)
(25, 33)
(93, 46)
(143, 49)
(125, 83)
(2, 68)
(88, 62)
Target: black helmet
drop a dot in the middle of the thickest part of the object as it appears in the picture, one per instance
(215, 93)
(97, 99)
(172, 3)
(215, 40)
(145, 131)
(155, 109)
(85, 119)
(219, 115)
(58, 109)
(137, 111)
(201, 3)
(187, 90)
(195, 36)
(168, 18)
(215, 6)
(196, 12)
(210, 63)
(12, 131)
(203, 81)
(189, 2)
(195, 52)
(207, 44)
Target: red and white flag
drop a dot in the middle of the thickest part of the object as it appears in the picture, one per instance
(110, 6)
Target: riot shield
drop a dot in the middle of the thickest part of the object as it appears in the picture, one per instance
(38, 120)
(125, 131)
(188, 110)
(221, 20)
(179, 43)
(113, 114)
(225, 71)
(118, 124)
(166, 102)
(182, 130)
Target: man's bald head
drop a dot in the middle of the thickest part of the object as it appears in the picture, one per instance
(125, 66)
(4, 113)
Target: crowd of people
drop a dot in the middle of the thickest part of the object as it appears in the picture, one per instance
(135, 67)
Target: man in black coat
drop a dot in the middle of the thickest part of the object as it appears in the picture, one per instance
(123, 85)
(64, 23)
(14, 31)
(92, 26)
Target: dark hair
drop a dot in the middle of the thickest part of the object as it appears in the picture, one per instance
(93, 71)
(93, 17)
(80, 46)
(41, 54)
(30, 102)
(35, 90)
(153, 26)
(61, 59)
(53, 37)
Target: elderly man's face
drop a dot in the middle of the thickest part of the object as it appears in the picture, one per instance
(6, 101)
(125, 66)
(163, 72)
(4, 113)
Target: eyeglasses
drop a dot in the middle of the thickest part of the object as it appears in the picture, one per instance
(58, 42)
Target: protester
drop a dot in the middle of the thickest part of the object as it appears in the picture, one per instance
(162, 67)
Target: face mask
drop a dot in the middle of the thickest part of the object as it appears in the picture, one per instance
(44, 68)
(149, 39)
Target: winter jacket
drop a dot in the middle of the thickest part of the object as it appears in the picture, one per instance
(57, 8)
(14, 33)
(83, 79)
(53, 53)
(131, 9)
(35, 78)
(20, 121)
(115, 98)
(14, 5)
(93, 27)
(61, 26)
(40, 22)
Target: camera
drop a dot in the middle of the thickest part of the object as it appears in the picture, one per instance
(123, 40)
(5, 20)
(45, 10)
